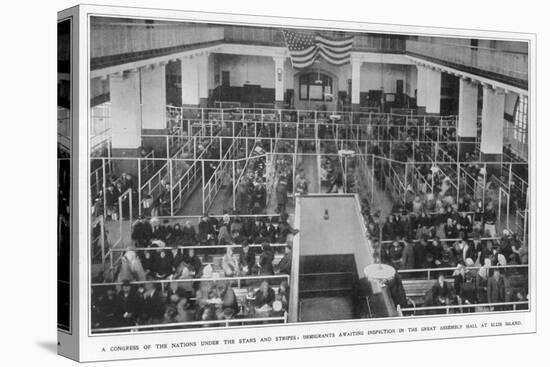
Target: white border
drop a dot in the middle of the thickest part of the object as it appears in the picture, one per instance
(91, 347)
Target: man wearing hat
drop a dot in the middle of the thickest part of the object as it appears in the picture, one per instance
(285, 229)
(281, 191)
(129, 303)
(496, 289)
(284, 266)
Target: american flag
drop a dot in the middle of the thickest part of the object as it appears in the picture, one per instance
(305, 48)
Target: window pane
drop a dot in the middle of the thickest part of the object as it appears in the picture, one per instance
(303, 91)
(316, 91)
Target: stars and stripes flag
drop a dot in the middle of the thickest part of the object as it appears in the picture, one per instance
(306, 47)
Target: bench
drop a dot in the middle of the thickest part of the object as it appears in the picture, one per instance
(416, 289)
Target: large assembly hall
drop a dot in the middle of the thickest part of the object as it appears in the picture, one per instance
(247, 175)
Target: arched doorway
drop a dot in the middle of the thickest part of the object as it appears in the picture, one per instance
(315, 90)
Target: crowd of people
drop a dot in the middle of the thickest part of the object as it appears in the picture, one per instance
(251, 191)
(108, 204)
(437, 229)
(469, 290)
(191, 292)
(420, 236)
(474, 259)
(169, 278)
(184, 303)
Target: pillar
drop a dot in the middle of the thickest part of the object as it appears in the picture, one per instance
(125, 120)
(492, 124)
(467, 115)
(433, 91)
(355, 84)
(189, 81)
(421, 75)
(203, 64)
(124, 92)
(279, 81)
(153, 95)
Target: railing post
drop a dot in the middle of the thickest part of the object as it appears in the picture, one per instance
(171, 187)
(372, 180)
(104, 188)
(102, 240)
(131, 205)
(111, 259)
(203, 184)
(139, 186)
(484, 185)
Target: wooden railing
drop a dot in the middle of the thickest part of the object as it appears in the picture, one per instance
(450, 270)
(190, 324)
(447, 308)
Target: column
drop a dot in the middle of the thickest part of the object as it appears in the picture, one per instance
(421, 74)
(203, 64)
(189, 81)
(279, 81)
(433, 91)
(125, 120)
(467, 115)
(124, 89)
(355, 84)
(492, 124)
(153, 95)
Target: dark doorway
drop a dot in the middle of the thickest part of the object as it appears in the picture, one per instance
(225, 78)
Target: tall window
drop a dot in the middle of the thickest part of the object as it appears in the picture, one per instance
(520, 120)
(315, 87)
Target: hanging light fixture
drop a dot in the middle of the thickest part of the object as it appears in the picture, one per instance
(247, 81)
(318, 81)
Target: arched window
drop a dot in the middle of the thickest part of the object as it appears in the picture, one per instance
(315, 87)
(520, 120)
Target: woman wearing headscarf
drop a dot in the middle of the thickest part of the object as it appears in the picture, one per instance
(236, 228)
(189, 235)
(264, 298)
(458, 276)
(131, 268)
(224, 237)
(229, 265)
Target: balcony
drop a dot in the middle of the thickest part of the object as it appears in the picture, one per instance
(254, 35)
(274, 37)
(507, 66)
(116, 41)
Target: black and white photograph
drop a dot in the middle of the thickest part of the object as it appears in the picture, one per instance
(253, 175)
(249, 183)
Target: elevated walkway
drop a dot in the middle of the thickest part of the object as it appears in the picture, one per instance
(331, 251)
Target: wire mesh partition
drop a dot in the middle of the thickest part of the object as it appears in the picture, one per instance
(241, 148)
(256, 161)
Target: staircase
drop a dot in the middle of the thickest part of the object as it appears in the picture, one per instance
(327, 288)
